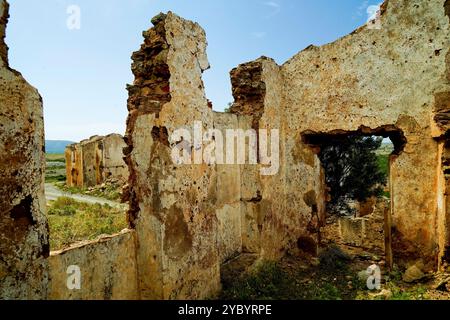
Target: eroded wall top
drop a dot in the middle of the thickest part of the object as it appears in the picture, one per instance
(374, 76)
(394, 75)
(172, 206)
(23, 224)
(4, 6)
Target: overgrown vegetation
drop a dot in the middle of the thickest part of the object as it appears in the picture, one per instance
(271, 282)
(107, 191)
(228, 108)
(55, 170)
(336, 277)
(383, 163)
(353, 170)
(71, 221)
(285, 280)
(55, 158)
(52, 176)
(395, 289)
(267, 282)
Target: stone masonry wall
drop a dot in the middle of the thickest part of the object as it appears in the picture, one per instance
(114, 167)
(228, 189)
(172, 207)
(374, 78)
(24, 244)
(4, 15)
(74, 165)
(95, 161)
(107, 269)
(188, 219)
(392, 80)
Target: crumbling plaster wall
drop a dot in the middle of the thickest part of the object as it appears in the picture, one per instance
(92, 161)
(228, 193)
(24, 244)
(114, 167)
(267, 227)
(444, 203)
(107, 269)
(257, 90)
(74, 165)
(373, 78)
(190, 218)
(172, 207)
(96, 160)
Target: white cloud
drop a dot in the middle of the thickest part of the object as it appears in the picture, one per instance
(276, 8)
(372, 11)
(259, 34)
(272, 4)
(362, 8)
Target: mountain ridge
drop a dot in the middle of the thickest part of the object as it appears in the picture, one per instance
(56, 146)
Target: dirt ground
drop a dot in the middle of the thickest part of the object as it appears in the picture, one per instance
(339, 273)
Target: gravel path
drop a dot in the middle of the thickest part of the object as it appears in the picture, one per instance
(52, 193)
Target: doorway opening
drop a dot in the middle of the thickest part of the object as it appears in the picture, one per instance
(356, 169)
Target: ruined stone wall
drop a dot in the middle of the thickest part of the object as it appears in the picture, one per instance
(114, 167)
(4, 14)
(95, 161)
(249, 91)
(188, 219)
(81, 166)
(92, 161)
(274, 225)
(74, 165)
(251, 217)
(107, 269)
(363, 232)
(391, 81)
(267, 228)
(172, 207)
(24, 244)
(374, 78)
(444, 204)
(228, 193)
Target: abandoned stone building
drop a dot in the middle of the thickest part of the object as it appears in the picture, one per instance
(185, 221)
(95, 161)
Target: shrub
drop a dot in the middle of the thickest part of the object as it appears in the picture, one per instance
(352, 169)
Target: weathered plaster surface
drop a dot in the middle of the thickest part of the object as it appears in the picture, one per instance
(374, 78)
(23, 224)
(188, 219)
(4, 14)
(107, 266)
(95, 161)
(172, 207)
(228, 196)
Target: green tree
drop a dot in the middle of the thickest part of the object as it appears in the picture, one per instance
(352, 170)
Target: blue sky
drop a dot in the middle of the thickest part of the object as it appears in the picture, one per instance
(82, 74)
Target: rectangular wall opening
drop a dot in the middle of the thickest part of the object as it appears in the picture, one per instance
(358, 209)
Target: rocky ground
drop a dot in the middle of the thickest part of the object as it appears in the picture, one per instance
(110, 190)
(337, 274)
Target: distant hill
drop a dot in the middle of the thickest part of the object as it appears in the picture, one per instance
(56, 146)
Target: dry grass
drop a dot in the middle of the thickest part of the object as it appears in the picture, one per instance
(71, 221)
